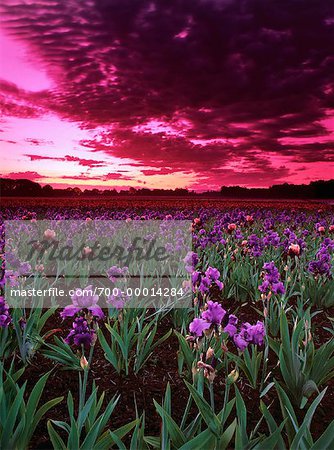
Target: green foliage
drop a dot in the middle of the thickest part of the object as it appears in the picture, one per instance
(242, 284)
(131, 340)
(19, 418)
(186, 356)
(318, 290)
(28, 329)
(250, 363)
(303, 367)
(299, 436)
(7, 342)
(252, 441)
(206, 430)
(87, 430)
(61, 353)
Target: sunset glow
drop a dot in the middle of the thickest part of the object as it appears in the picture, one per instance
(100, 94)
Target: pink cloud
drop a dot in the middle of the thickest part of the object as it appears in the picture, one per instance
(161, 171)
(115, 176)
(80, 161)
(28, 175)
(107, 177)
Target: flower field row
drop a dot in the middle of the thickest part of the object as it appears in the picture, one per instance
(249, 365)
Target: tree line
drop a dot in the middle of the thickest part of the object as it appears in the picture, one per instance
(315, 190)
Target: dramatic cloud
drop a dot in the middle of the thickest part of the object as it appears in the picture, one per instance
(80, 161)
(109, 176)
(32, 176)
(200, 94)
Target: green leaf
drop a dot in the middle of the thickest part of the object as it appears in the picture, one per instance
(117, 441)
(295, 445)
(107, 441)
(223, 415)
(267, 389)
(227, 435)
(43, 410)
(272, 425)
(204, 440)
(35, 396)
(186, 350)
(205, 409)
(271, 442)
(109, 354)
(83, 414)
(241, 438)
(286, 407)
(153, 441)
(309, 388)
(63, 425)
(13, 412)
(326, 440)
(174, 431)
(57, 442)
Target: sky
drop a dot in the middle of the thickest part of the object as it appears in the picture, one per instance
(193, 94)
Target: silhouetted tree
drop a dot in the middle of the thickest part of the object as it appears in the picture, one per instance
(316, 189)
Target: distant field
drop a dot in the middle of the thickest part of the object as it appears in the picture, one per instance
(124, 202)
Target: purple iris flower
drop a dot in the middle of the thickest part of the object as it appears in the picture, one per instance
(320, 267)
(256, 333)
(269, 267)
(264, 287)
(191, 261)
(220, 284)
(83, 299)
(253, 334)
(195, 277)
(212, 273)
(240, 342)
(278, 288)
(5, 318)
(250, 334)
(214, 313)
(213, 316)
(204, 281)
(117, 272)
(231, 328)
(11, 277)
(322, 264)
(204, 285)
(119, 300)
(81, 333)
(197, 326)
(271, 281)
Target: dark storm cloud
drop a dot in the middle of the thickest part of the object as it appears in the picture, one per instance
(19, 103)
(250, 72)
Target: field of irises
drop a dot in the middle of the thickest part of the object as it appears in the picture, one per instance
(250, 365)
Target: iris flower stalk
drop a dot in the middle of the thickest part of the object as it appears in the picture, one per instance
(271, 282)
(83, 383)
(227, 384)
(212, 396)
(265, 303)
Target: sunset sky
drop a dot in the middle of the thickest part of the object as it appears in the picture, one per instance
(167, 93)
